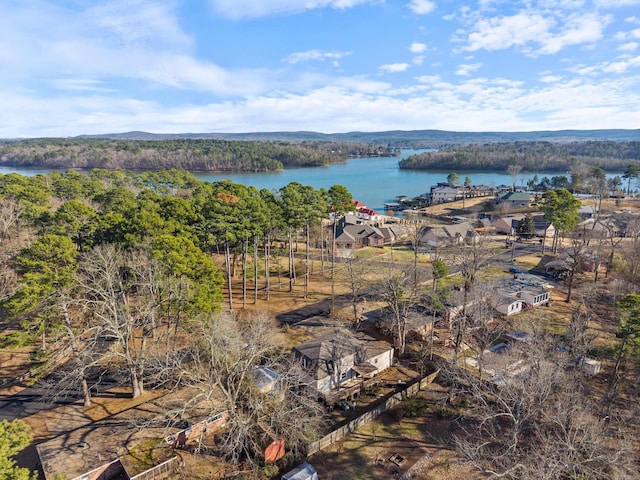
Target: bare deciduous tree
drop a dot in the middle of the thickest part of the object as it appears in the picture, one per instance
(467, 260)
(222, 367)
(121, 291)
(11, 211)
(538, 423)
(356, 272)
(396, 291)
(514, 170)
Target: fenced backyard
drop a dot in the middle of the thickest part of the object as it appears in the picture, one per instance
(371, 414)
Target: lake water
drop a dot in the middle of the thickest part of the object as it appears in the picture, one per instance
(373, 181)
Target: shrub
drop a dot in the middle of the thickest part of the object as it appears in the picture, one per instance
(414, 407)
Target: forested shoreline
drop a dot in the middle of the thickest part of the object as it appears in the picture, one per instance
(531, 156)
(187, 154)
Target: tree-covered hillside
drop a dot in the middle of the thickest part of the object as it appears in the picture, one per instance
(187, 154)
(532, 156)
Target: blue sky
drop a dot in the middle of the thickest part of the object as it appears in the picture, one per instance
(70, 67)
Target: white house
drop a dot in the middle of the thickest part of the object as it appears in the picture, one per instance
(521, 290)
(508, 305)
(445, 194)
(366, 213)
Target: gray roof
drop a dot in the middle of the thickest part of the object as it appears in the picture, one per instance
(515, 197)
(462, 229)
(524, 282)
(338, 345)
(354, 232)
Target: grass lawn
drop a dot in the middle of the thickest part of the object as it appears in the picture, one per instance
(367, 453)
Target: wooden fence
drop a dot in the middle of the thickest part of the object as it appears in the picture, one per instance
(162, 470)
(370, 415)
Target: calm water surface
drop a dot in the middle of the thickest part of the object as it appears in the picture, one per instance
(373, 181)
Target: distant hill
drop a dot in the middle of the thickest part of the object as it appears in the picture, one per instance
(395, 138)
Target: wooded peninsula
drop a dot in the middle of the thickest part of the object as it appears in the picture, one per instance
(189, 154)
(532, 156)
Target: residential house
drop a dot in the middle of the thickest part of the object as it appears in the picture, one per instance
(359, 236)
(357, 205)
(543, 227)
(365, 213)
(442, 194)
(506, 225)
(624, 222)
(586, 212)
(520, 291)
(609, 227)
(454, 305)
(449, 235)
(507, 304)
(479, 191)
(338, 365)
(511, 200)
(393, 233)
(418, 325)
(484, 226)
(460, 233)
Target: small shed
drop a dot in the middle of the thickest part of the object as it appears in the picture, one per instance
(301, 472)
(590, 366)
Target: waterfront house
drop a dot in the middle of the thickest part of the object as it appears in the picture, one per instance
(441, 194)
(368, 214)
(512, 200)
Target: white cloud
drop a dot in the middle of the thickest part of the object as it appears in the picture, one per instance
(616, 3)
(578, 29)
(551, 78)
(319, 55)
(492, 104)
(534, 33)
(66, 72)
(111, 43)
(628, 47)
(138, 22)
(237, 9)
(417, 47)
(422, 7)
(428, 78)
(621, 66)
(80, 84)
(505, 32)
(394, 67)
(466, 69)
